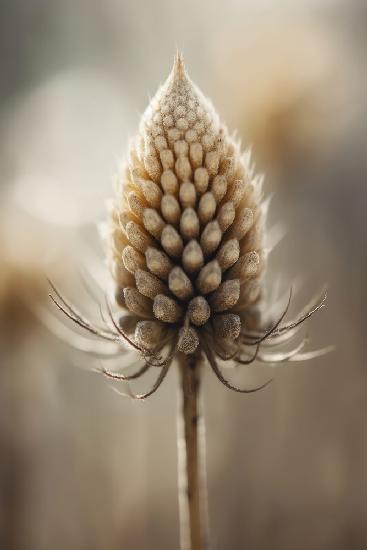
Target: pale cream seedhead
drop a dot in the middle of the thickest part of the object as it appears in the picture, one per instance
(186, 230)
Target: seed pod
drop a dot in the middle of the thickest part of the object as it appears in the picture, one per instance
(153, 222)
(228, 254)
(209, 278)
(148, 334)
(179, 284)
(187, 213)
(226, 215)
(171, 241)
(148, 284)
(189, 224)
(198, 311)
(245, 267)
(219, 187)
(169, 179)
(132, 259)
(210, 238)
(171, 209)
(158, 262)
(138, 237)
(226, 296)
(188, 340)
(192, 257)
(227, 326)
(201, 179)
(207, 207)
(137, 303)
(166, 309)
(151, 192)
(187, 194)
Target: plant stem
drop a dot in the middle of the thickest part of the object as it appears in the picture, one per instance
(191, 459)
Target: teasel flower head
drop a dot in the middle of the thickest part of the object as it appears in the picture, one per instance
(185, 240)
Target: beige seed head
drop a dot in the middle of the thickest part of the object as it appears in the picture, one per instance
(180, 235)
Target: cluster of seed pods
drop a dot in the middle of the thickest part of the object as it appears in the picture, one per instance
(186, 228)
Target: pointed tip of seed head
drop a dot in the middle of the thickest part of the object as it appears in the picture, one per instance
(178, 70)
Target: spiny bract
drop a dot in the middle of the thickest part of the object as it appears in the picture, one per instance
(187, 226)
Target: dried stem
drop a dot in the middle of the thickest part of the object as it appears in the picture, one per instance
(191, 458)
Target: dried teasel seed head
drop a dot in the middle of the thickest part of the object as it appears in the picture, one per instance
(185, 247)
(186, 229)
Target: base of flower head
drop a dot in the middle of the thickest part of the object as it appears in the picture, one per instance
(210, 340)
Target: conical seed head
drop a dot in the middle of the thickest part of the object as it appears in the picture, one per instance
(187, 204)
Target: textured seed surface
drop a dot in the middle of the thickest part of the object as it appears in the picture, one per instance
(192, 257)
(166, 309)
(186, 231)
(148, 284)
(226, 296)
(188, 340)
(227, 326)
(148, 333)
(198, 311)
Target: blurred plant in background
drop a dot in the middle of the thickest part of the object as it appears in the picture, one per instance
(287, 91)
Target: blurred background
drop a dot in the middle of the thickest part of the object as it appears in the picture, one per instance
(81, 467)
